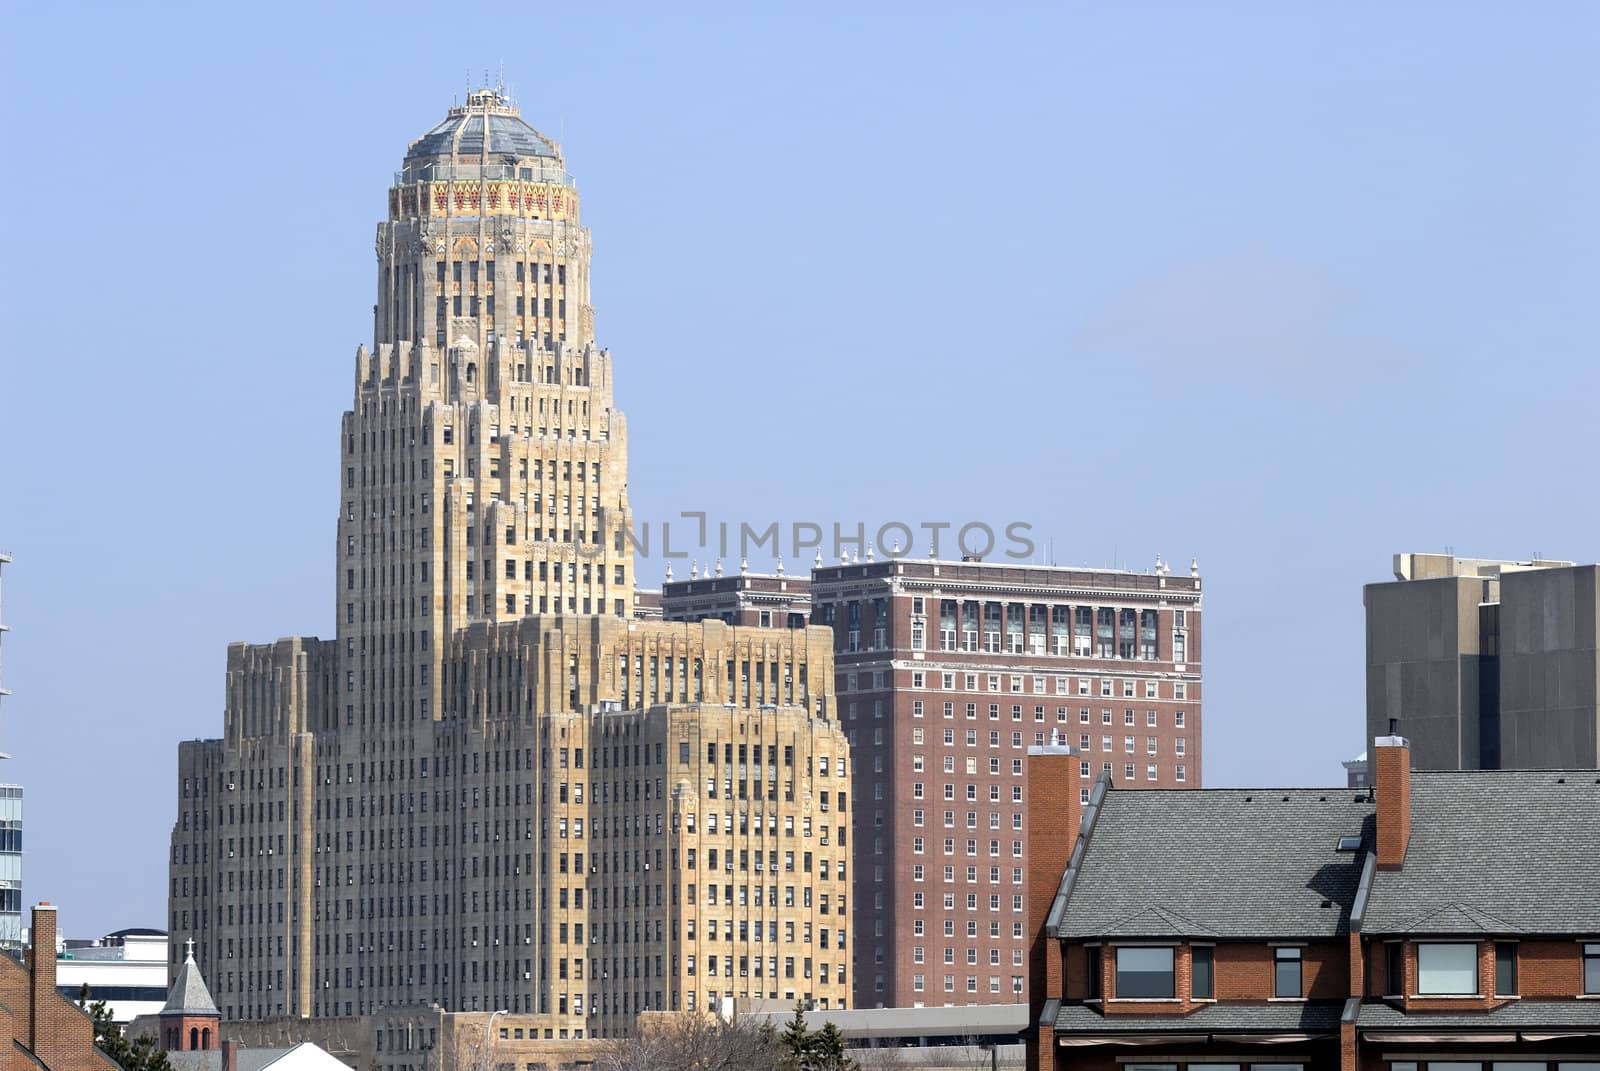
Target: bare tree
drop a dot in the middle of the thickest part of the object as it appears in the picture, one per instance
(691, 1042)
(471, 1049)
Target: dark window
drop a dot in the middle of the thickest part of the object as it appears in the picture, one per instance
(1145, 973)
(1202, 979)
(1505, 968)
(1395, 965)
(1093, 990)
(1286, 972)
(1591, 969)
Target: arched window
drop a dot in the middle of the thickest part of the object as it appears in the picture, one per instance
(472, 372)
(194, 1038)
(205, 1039)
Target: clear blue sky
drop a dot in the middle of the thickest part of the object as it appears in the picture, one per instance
(1284, 287)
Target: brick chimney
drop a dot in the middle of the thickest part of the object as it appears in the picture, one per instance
(230, 1055)
(42, 974)
(1392, 778)
(1053, 815)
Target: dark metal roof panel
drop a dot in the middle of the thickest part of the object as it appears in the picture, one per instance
(1516, 1013)
(508, 136)
(1286, 1017)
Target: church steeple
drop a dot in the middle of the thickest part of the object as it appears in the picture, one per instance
(189, 1020)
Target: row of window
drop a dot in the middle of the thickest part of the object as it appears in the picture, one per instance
(918, 903)
(1152, 717)
(1451, 969)
(1443, 969)
(917, 956)
(1146, 973)
(1022, 682)
(918, 983)
(917, 930)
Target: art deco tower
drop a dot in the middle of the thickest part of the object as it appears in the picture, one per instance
(403, 816)
(485, 471)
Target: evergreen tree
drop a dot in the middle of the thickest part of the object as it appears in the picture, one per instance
(796, 1039)
(141, 1054)
(814, 1050)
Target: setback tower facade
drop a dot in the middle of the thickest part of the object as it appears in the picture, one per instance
(494, 790)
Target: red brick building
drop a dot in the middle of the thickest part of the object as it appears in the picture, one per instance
(1450, 924)
(764, 600)
(45, 1029)
(946, 673)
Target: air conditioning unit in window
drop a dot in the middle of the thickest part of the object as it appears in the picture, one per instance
(526, 975)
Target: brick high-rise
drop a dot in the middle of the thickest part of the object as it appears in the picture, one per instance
(946, 673)
(494, 789)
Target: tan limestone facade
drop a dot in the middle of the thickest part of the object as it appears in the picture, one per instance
(494, 789)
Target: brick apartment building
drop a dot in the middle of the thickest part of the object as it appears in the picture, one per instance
(1448, 922)
(764, 600)
(946, 673)
(47, 1031)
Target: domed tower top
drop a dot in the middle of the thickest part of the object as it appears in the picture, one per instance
(488, 129)
(483, 239)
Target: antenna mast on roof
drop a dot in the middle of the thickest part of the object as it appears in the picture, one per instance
(4, 559)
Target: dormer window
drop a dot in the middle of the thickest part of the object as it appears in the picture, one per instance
(1449, 970)
(1287, 976)
(1145, 974)
(1505, 968)
(1202, 975)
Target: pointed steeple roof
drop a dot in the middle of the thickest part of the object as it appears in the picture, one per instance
(189, 995)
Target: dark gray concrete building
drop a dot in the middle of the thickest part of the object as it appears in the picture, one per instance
(1486, 664)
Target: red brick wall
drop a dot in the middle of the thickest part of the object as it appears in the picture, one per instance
(50, 1026)
(1545, 969)
(886, 767)
(1393, 779)
(1052, 818)
(1550, 968)
(207, 1030)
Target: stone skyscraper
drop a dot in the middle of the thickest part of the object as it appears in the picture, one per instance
(495, 789)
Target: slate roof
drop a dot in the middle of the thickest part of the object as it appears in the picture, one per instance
(1278, 1018)
(196, 1060)
(1495, 852)
(1220, 863)
(1516, 1013)
(189, 995)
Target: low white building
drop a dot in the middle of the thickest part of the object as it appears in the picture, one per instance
(126, 969)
